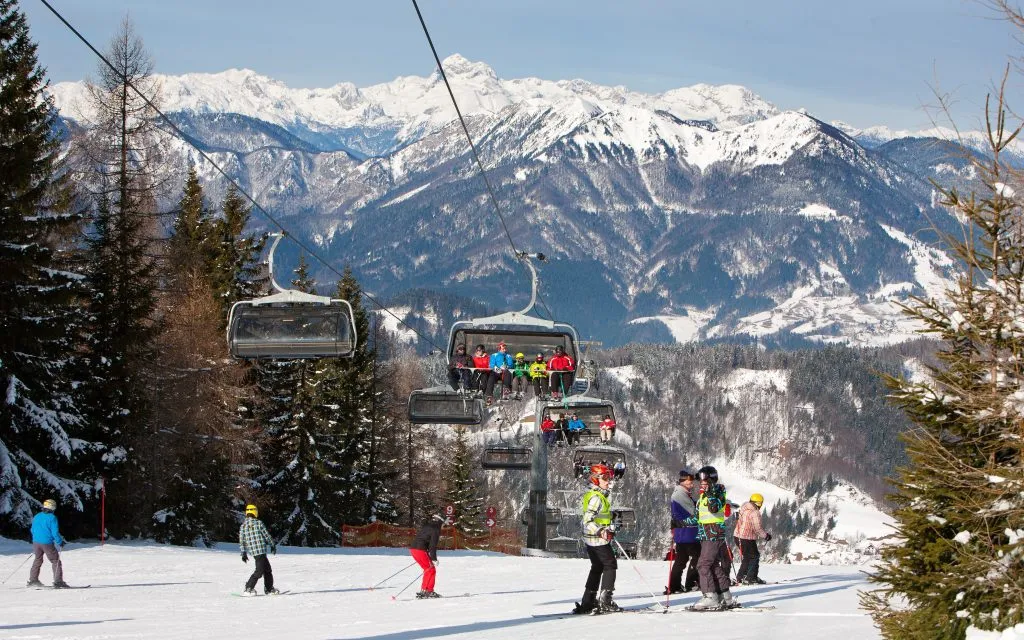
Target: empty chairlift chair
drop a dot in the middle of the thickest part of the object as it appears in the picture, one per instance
(442, 405)
(290, 325)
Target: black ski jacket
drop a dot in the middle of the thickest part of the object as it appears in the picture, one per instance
(427, 537)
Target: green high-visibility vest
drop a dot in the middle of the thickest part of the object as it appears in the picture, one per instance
(604, 518)
(706, 515)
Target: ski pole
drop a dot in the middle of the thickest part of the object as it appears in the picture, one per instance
(671, 561)
(395, 597)
(625, 555)
(31, 555)
(402, 570)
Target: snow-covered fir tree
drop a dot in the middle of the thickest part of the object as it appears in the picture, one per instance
(960, 499)
(361, 409)
(461, 490)
(308, 460)
(41, 429)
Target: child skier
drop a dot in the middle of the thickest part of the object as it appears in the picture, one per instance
(598, 532)
(46, 539)
(424, 551)
(748, 530)
(710, 521)
(253, 538)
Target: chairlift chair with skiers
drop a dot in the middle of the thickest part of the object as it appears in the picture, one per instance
(517, 330)
(590, 410)
(585, 456)
(290, 324)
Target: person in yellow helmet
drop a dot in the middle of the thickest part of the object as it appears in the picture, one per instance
(46, 540)
(520, 376)
(748, 531)
(253, 538)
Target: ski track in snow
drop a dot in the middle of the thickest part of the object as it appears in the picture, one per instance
(146, 590)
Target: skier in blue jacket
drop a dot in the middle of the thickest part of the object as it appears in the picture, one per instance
(46, 539)
(502, 366)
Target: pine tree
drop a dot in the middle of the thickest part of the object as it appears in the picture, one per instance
(122, 277)
(42, 441)
(367, 496)
(960, 499)
(189, 477)
(461, 491)
(192, 243)
(307, 464)
(236, 273)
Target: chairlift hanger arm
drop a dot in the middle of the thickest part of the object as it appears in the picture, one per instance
(526, 258)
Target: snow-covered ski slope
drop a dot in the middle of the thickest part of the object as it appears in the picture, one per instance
(153, 591)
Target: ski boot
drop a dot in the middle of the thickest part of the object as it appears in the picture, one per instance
(672, 590)
(709, 602)
(34, 583)
(61, 585)
(426, 595)
(727, 600)
(249, 592)
(753, 581)
(588, 604)
(272, 591)
(605, 604)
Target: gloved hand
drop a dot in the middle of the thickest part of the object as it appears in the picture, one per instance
(607, 533)
(245, 557)
(767, 537)
(436, 562)
(273, 549)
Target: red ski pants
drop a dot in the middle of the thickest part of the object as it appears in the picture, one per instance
(429, 572)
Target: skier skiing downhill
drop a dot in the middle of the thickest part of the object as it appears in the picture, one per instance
(710, 521)
(253, 538)
(46, 539)
(598, 532)
(424, 551)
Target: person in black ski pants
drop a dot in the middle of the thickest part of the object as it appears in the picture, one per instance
(424, 551)
(687, 547)
(253, 538)
(598, 532)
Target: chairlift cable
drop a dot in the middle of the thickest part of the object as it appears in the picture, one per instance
(181, 135)
(472, 145)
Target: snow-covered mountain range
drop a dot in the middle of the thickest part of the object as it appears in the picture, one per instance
(701, 212)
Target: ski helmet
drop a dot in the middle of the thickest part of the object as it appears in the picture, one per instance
(598, 471)
(520, 356)
(50, 504)
(757, 499)
(708, 473)
(251, 510)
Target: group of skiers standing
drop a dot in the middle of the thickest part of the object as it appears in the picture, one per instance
(698, 532)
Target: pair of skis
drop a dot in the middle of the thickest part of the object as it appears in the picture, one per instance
(651, 610)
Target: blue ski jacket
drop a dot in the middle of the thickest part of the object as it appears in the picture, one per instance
(44, 529)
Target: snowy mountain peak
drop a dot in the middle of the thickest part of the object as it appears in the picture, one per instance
(457, 65)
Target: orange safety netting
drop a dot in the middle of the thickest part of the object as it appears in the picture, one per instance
(379, 534)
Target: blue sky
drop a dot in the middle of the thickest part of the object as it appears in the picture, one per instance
(866, 62)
